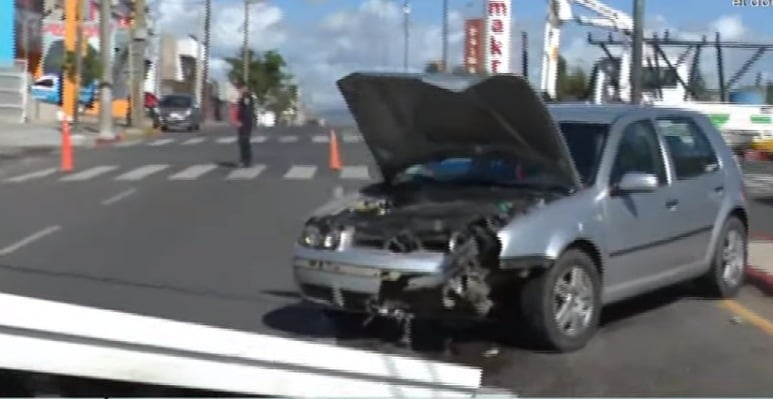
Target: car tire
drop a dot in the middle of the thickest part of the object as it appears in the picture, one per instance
(542, 300)
(727, 272)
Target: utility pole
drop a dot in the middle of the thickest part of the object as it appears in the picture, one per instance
(406, 32)
(245, 44)
(79, 46)
(199, 83)
(205, 56)
(139, 37)
(636, 58)
(445, 35)
(106, 82)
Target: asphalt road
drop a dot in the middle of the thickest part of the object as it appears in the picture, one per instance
(142, 232)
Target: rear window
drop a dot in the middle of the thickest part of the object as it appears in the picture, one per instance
(586, 143)
(176, 102)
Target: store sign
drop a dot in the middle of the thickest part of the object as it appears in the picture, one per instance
(497, 48)
(473, 45)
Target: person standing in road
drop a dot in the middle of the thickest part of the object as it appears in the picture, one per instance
(244, 119)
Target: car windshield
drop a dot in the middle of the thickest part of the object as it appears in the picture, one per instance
(486, 170)
(176, 102)
(586, 143)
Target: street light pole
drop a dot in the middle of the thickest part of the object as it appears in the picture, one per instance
(445, 35)
(106, 82)
(636, 57)
(406, 32)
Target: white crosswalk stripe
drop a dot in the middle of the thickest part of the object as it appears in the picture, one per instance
(194, 141)
(89, 173)
(246, 173)
(226, 140)
(355, 172)
(301, 172)
(160, 142)
(31, 175)
(259, 139)
(351, 138)
(141, 172)
(320, 138)
(193, 172)
(288, 139)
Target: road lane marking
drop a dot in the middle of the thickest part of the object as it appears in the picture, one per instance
(160, 142)
(192, 172)
(350, 138)
(288, 139)
(246, 173)
(320, 138)
(193, 141)
(355, 172)
(112, 200)
(747, 314)
(141, 172)
(32, 175)
(258, 139)
(226, 140)
(301, 172)
(29, 240)
(89, 173)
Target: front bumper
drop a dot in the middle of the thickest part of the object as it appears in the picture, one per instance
(372, 285)
(178, 122)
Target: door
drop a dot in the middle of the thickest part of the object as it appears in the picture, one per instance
(639, 222)
(698, 184)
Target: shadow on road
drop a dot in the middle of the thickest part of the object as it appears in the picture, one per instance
(227, 164)
(462, 338)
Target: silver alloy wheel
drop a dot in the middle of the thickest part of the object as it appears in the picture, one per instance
(573, 301)
(733, 258)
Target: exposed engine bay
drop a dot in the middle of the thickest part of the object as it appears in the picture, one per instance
(460, 222)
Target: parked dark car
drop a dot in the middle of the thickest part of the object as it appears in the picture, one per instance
(178, 111)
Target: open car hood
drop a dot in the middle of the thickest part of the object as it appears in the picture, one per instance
(410, 119)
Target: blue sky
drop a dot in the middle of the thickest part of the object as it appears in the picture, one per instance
(680, 12)
(325, 39)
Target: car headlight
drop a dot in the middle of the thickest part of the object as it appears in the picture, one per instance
(314, 236)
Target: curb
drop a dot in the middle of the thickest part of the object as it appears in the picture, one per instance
(756, 275)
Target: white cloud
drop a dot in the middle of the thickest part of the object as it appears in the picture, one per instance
(181, 18)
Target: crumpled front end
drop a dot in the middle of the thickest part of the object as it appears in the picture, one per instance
(393, 257)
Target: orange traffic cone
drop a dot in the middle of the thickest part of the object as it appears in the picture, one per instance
(335, 156)
(66, 147)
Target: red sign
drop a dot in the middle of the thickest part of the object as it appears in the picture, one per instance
(473, 45)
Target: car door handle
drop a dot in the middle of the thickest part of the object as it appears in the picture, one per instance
(719, 189)
(671, 204)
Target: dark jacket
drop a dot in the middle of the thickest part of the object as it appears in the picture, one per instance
(246, 109)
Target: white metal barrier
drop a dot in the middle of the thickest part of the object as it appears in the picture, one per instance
(51, 337)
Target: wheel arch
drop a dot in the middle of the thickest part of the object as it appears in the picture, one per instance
(590, 249)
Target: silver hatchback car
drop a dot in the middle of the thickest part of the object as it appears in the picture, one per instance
(491, 199)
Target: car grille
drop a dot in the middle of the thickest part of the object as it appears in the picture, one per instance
(350, 299)
(401, 243)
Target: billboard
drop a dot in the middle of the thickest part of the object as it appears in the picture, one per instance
(473, 45)
(498, 36)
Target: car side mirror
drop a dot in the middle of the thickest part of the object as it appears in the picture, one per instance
(637, 182)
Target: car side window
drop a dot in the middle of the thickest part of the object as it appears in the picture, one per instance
(639, 152)
(690, 149)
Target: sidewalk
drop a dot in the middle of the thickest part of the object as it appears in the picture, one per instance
(760, 269)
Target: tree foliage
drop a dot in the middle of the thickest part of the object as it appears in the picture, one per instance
(267, 77)
(91, 67)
